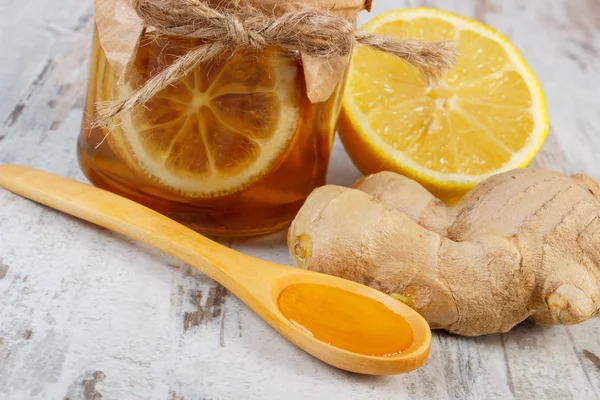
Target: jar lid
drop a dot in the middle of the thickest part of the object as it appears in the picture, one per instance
(120, 28)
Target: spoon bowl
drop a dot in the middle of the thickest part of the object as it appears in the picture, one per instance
(258, 283)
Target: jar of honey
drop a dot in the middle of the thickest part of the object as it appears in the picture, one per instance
(233, 148)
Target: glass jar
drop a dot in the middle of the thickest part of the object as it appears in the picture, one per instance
(233, 149)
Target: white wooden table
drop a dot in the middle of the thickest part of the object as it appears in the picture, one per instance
(88, 314)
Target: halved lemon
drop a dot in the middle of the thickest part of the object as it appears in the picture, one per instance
(218, 130)
(487, 115)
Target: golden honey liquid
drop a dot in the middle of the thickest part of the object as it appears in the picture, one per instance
(346, 320)
(268, 203)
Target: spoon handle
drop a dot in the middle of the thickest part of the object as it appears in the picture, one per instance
(234, 270)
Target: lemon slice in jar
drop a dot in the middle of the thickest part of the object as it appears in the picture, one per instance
(217, 131)
(486, 116)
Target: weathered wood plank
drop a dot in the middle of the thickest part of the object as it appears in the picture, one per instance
(529, 348)
(39, 33)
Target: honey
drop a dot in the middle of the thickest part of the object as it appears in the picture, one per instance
(346, 320)
(233, 149)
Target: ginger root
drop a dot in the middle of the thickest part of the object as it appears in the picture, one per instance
(522, 244)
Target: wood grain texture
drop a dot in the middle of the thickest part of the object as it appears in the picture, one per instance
(87, 313)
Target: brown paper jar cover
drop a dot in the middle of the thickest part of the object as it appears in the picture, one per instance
(119, 29)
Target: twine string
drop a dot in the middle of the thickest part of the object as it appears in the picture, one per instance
(316, 33)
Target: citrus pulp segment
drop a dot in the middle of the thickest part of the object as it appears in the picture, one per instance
(218, 130)
(485, 116)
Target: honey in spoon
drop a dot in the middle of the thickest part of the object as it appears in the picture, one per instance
(346, 320)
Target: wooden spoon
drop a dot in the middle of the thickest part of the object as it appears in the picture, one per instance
(340, 322)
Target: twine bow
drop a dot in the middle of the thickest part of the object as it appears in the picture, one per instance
(316, 33)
